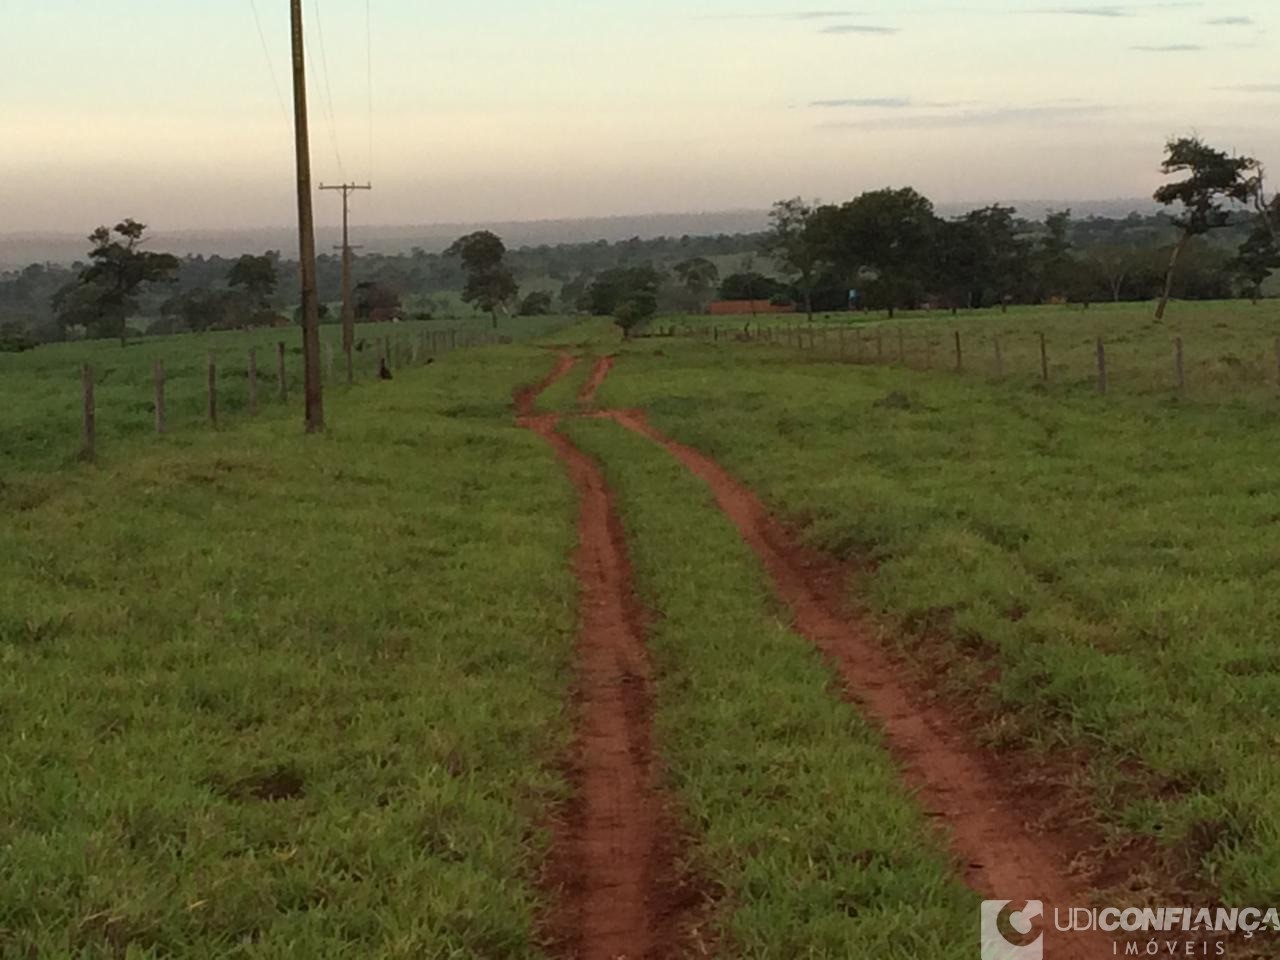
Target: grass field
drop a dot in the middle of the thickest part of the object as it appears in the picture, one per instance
(1230, 349)
(269, 696)
(41, 411)
(276, 697)
(1101, 573)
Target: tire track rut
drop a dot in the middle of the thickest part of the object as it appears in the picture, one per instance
(614, 866)
(960, 785)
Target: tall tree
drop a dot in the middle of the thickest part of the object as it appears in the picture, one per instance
(1000, 257)
(256, 276)
(795, 246)
(104, 295)
(893, 230)
(1056, 266)
(699, 277)
(1214, 179)
(490, 284)
(1257, 258)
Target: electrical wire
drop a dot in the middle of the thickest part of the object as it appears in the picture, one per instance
(266, 52)
(368, 40)
(328, 90)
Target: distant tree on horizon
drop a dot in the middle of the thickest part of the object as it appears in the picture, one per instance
(256, 276)
(699, 277)
(104, 295)
(1215, 178)
(490, 284)
(793, 243)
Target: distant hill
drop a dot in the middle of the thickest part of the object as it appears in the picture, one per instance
(18, 250)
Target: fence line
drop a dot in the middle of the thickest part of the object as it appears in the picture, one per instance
(854, 344)
(392, 351)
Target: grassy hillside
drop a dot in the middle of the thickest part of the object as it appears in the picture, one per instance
(40, 391)
(277, 697)
(1100, 574)
(1229, 347)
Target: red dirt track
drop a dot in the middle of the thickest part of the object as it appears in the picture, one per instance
(598, 376)
(621, 896)
(957, 783)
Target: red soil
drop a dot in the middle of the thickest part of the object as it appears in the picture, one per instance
(614, 864)
(598, 375)
(989, 824)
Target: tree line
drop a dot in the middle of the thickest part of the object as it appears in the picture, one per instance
(885, 249)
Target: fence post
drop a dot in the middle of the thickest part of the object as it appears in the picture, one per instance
(253, 381)
(999, 361)
(453, 339)
(1179, 366)
(959, 354)
(281, 373)
(89, 440)
(158, 376)
(213, 390)
(902, 348)
(1102, 366)
(1044, 358)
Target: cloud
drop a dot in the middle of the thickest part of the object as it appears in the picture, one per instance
(1114, 11)
(1088, 11)
(1231, 22)
(885, 103)
(1168, 48)
(792, 15)
(995, 116)
(822, 14)
(852, 28)
(1253, 88)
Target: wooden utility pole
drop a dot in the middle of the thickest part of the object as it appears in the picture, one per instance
(348, 305)
(313, 389)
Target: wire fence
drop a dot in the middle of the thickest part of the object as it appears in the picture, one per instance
(1128, 362)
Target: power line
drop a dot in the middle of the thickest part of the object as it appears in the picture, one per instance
(328, 90)
(266, 52)
(368, 40)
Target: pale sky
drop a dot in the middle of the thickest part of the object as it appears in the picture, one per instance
(166, 110)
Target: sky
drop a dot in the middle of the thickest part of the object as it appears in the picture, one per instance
(176, 112)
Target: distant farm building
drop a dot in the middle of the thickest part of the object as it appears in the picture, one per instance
(737, 308)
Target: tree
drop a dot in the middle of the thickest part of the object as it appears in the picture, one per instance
(377, 303)
(104, 295)
(1056, 266)
(1215, 179)
(256, 276)
(200, 309)
(956, 262)
(1257, 258)
(749, 286)
(699, 277)
(490, 285)
(1000, 258)
(795, 246)
(15, 338)
(536, 304)
(893, 232)
(628, 294)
